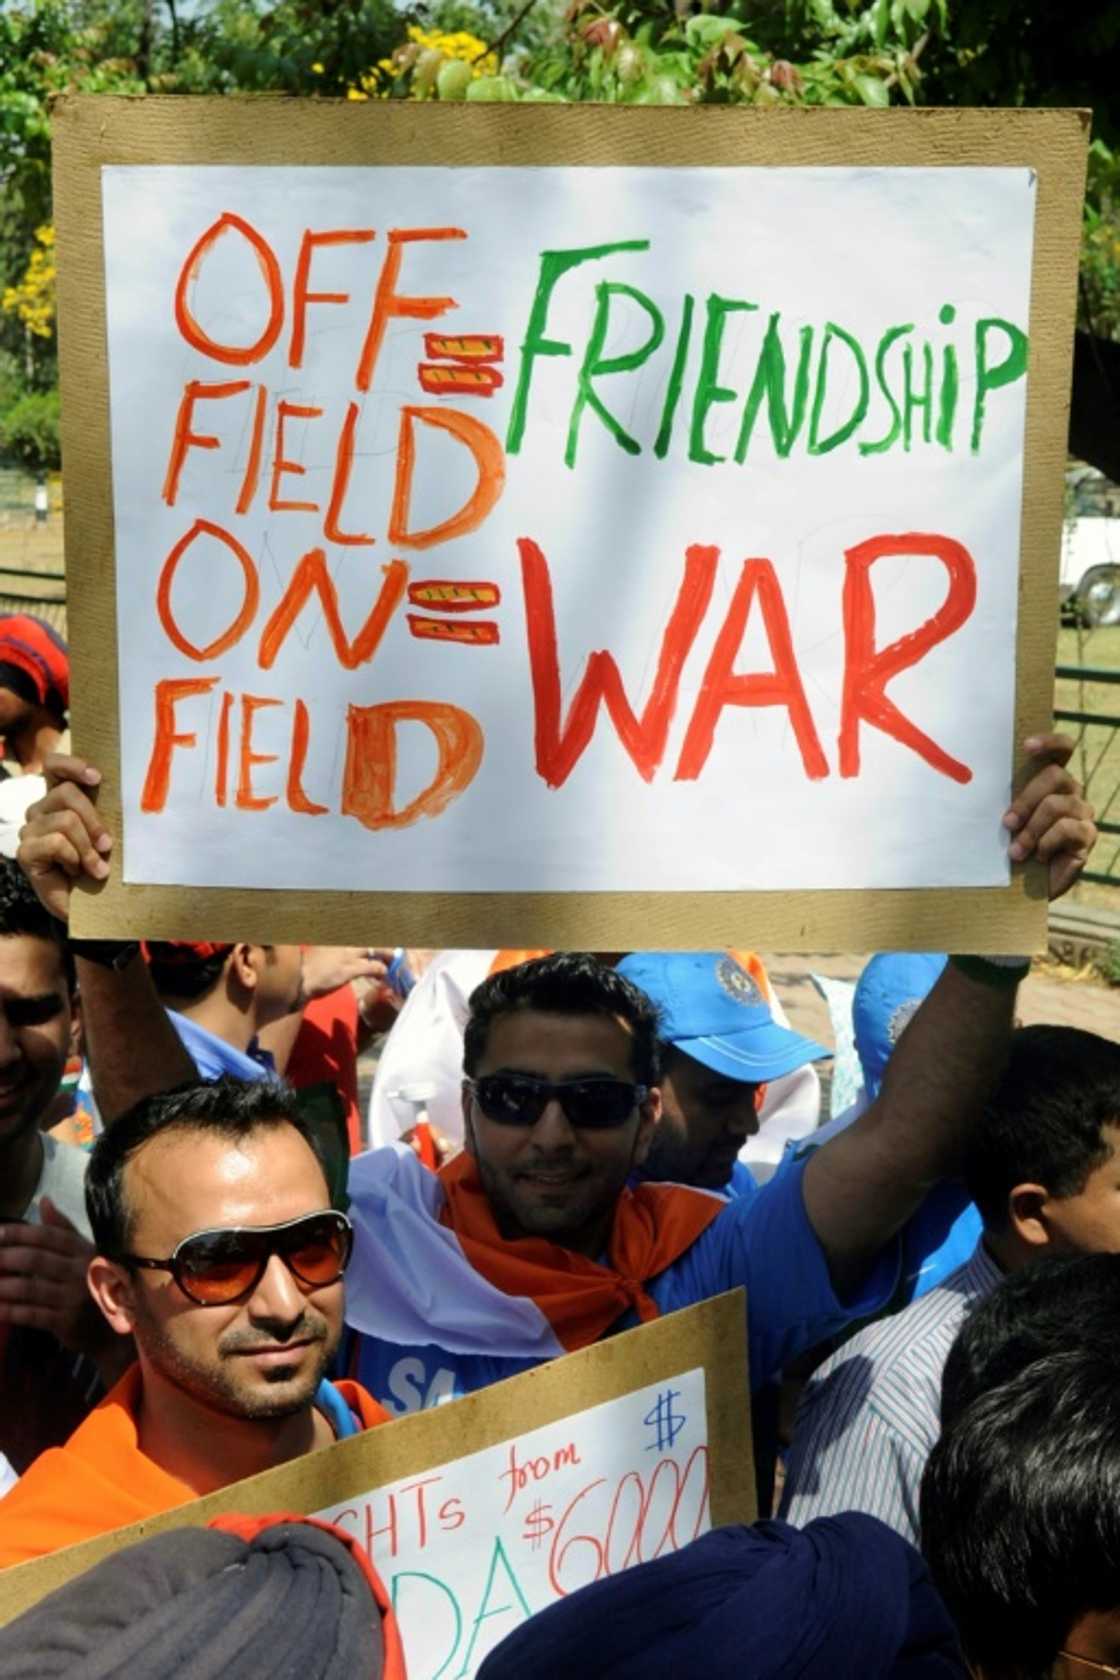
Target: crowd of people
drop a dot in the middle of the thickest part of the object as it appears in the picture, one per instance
(558, 1146)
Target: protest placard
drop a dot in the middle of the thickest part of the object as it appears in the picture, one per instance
(554, 526)
(481, 1512)
(476, 1547)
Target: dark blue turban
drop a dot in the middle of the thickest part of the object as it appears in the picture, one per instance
(843, 1599)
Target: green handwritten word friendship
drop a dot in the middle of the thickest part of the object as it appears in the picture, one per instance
(900, 391)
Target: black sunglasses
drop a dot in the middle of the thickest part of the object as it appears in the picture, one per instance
(215, 1268)
(519, 1099)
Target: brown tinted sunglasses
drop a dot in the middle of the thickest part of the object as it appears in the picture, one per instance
(215, 1268)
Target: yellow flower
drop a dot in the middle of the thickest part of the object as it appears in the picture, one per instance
(356, 93)
(460, 44)
(32, 301)
(316, 69)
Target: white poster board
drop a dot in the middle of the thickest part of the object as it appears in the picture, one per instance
(469, 1550)
(677, 563)
(740, 555)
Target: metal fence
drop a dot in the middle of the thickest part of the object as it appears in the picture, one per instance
(17, 494)
(31, 575)
(1098, 766)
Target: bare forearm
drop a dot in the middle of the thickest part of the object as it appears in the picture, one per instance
(945, 1068)
(865, 1183)
(133, 1048)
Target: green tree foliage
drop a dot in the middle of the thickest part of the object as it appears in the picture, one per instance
(872, 53)
(1005, 52)
(1002, 52)
(1100, 247)
(798, 52)
(296, 46)
(29, 431)
(47, 47)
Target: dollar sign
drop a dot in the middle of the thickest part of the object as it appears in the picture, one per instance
(665, 1420)
(538, 1525)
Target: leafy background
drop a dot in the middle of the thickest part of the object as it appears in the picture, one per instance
(642, 52)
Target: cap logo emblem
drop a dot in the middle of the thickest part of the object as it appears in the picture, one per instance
(901, 1019)
(737, 983)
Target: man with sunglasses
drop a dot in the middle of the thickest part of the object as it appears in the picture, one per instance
(218, 1250)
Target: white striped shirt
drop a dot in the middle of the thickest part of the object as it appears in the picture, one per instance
(870, 1415)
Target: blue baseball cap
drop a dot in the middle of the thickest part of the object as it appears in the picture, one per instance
(887, 996)
(713, 1011)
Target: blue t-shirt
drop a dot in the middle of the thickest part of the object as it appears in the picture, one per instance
(763, 1241)
(742, 1182)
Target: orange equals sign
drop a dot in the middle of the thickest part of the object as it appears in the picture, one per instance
(461, 364)
(482, 633)
(452, 597)
(450, 379)
(464, 347)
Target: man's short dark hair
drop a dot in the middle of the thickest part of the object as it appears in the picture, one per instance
(565, 983)
(227, 1108)
(1020, 1512)
(1057, 1304)
(178, 970)
(1044, 1124)
(21, 914)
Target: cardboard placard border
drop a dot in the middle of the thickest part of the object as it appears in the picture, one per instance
(712, 1335)
(91, 131)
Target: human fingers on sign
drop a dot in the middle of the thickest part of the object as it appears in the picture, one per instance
(327, 967)
(1049, 818)
(63, 837)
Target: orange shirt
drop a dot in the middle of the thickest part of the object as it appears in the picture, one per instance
(100, 1480)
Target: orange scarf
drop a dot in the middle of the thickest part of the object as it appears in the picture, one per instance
(654, 1224)
(101, 1479)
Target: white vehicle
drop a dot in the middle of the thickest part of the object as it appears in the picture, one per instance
(1089, 587)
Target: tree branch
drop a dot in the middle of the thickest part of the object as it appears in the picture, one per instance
(507, 34)
(920, 46)
(174, 31)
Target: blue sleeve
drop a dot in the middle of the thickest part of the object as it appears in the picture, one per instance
(767, 1244)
